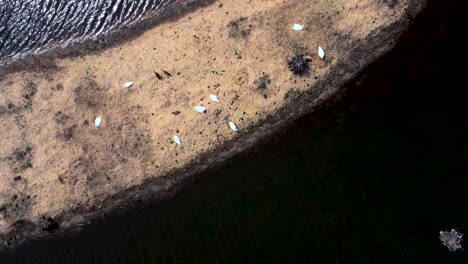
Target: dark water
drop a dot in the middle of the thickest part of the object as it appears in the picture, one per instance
(34, 25)
(371, 178)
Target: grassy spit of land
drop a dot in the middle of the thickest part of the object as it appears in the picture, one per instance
(56, 167)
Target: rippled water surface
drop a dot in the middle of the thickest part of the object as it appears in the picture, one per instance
(33, 25)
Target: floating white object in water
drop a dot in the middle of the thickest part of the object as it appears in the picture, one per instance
(97, 122)
(177, 140)
(200, 109)
(321, 53)
(127, 85)
(214, 98)
(233, 126)
(298, 27)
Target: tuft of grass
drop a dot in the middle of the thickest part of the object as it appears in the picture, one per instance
(28, 149)
(29, 90)
(239, 29)
(217, 112)
(23, 157)
(291, 93)
(27, 165)
(20, 122)
(89, 73)
(8, 109)
(263, 82)
(3, 209)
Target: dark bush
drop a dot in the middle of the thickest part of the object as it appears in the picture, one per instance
(298, 64)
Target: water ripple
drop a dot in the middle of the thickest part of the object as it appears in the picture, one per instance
(28, 26)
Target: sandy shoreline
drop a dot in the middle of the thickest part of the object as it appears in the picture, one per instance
(132, 157)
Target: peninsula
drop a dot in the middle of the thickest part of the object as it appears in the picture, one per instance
(58, 169)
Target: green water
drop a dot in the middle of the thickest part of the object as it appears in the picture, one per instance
(370, 178)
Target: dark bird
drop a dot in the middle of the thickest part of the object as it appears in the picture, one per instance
(167, 73)
(158, 75)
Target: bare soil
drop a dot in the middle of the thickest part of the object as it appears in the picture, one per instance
(57, 169)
